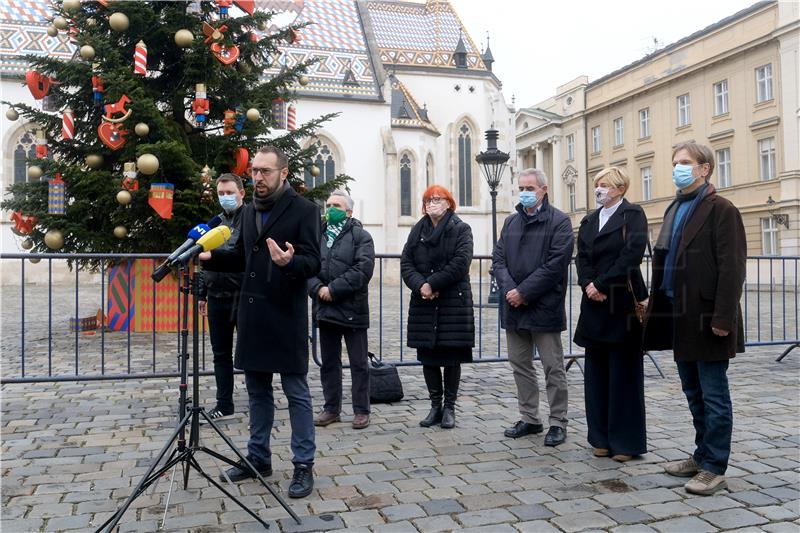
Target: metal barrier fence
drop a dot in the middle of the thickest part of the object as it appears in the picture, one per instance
(37, 346)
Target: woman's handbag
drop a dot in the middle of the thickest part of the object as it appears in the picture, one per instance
(640, 308)
(384, 382)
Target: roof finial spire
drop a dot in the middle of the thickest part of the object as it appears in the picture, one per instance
(487, 56)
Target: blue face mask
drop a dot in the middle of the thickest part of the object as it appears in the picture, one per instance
(682, 176)
(228, 202)
(528, 199)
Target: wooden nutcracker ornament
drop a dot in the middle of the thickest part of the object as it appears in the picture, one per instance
(200, 104)
(41, 145)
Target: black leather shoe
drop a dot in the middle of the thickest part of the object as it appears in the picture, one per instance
(241, 471)
(448, 418)
(302, 481)
(434, 417)
(520, 429)
(555, 436)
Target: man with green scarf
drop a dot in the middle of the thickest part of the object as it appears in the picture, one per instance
(341, 308)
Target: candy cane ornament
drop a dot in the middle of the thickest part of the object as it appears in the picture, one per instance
(291, 118)
(140, 59)
(68, 124)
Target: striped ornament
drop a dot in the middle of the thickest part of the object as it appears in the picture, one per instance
(56, 195)
(68, 124)
(140, 59)
(291, 118)
(279, 113)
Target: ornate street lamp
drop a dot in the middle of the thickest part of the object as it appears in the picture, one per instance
(493, 162)
(779, 218)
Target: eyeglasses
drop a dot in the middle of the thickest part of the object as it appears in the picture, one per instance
(434, 200)
(264, 171)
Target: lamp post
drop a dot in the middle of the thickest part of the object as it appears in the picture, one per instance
(779, 218)
(493, 162)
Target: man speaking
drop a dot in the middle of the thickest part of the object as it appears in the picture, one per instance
(278, 250)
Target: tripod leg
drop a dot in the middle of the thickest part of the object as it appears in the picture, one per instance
(145, 481)
(169, 495)
(246, 461)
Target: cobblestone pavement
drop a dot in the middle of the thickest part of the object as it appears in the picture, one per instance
(71, 453)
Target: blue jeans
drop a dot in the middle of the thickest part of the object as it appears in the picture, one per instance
(262, 415)
(705, 384)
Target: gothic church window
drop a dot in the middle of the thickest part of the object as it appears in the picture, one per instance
(464, 165)
(405, 186)
(325, 161)
(25, 149)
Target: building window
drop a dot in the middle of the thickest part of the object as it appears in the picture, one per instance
(619, 132)
(570, 147)
(596, 140)
(684, 110)
(571, 196)
(25, 149)
(429, 171)
(405, 186)
(723, 158)
(325, 161)
(764, 83)
(647, 183)
(766, 157)
(464, 166)
(769, 236)
(721, 97)
(644, 123)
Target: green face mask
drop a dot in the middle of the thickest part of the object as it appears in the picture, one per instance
(334, 215)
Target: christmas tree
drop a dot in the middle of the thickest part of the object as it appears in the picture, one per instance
(159, 98)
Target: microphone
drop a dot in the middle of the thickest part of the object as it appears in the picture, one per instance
(194, 234)
(212, 239)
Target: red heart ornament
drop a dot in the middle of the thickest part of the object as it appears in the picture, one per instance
(112, 135)
(38, 85)
(225, 55)
(241, 158)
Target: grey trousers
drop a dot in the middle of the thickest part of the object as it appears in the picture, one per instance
(521, 344)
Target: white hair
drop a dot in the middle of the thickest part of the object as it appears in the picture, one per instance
(348, 200)
(541, 177)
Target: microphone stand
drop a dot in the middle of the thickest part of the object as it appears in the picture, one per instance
(183, 454)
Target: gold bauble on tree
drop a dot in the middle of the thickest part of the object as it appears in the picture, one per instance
(52, 31)
(124, 197)
(12, 114)
(94, 161)
(35, 260)
(141, 129)
(303, 80)
(147, 164)
(119, 21)
(315, 171)
(184, 38)
(35, 172)
(120, 232)
(54, 239)
(91, 22)
(70, 6)
(26, 243)
(253, 114)
(60, 23)
(87, 51)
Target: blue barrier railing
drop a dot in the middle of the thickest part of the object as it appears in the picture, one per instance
(34, 348)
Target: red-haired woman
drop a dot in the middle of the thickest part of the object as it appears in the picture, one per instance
(435, 266)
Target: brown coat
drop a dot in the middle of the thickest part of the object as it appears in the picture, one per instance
(709, 274)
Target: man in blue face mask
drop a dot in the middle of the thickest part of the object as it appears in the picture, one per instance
(219, 293)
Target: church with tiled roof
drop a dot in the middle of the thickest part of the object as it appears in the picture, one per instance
(413, 91)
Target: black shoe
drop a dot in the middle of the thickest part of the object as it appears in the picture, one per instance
(521, 429)
(302, 481)
(434, 417)
(555, 436)
(216, 414)
(448, 418)
(241, 471)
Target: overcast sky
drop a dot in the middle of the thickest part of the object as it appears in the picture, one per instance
(541, 44)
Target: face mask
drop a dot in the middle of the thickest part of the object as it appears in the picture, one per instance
(528, 199)
(436, 210)
(682, 176)
(601, 195)
(334, 215)
(228, 202)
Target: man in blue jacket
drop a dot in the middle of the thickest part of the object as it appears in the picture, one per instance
(531, 262)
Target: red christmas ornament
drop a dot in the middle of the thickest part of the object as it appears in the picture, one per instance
(129, 181)
(200, 104)
(229, 122)
(226, 55)
(241, 158)
(140, 59)
(112, 135)
(68, 124)
(41, 145)
(213, 34)
(291, 118)
(224, 6)
(118, 107)
(97, 89)
(38, 85)
(160, 199)
(248, 6)
(23, 224)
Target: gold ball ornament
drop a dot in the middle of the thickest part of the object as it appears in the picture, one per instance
(147, 164)
(60, 23)
(35, 172)
(26, 243)
(124, 197)
(35, 260)
(52, 31)
(94, 161)
(70, 6)
(315, 171)
(141, 129)
(91, 22)
(54, 239)
(303, 80)
(119, 21)
(87, 52)
(120, 232)
(12, 114)
(253, 114)
(184, 38)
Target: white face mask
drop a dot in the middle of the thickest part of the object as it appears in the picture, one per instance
(436, 210)
(601, 195)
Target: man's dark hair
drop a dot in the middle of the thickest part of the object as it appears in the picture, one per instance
(283, 159)
(224, 178)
